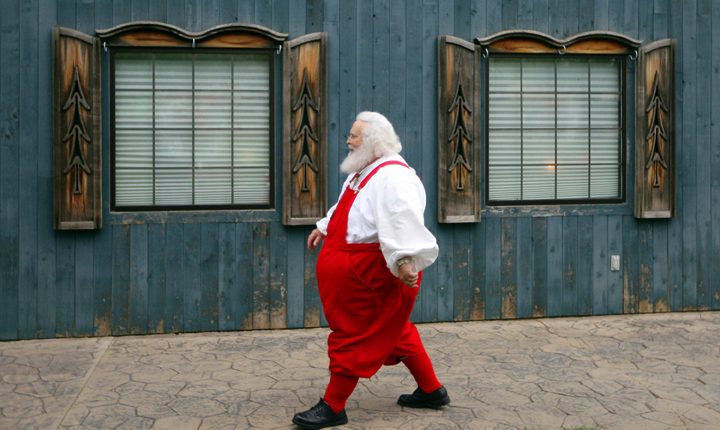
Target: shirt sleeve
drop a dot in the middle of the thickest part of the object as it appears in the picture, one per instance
(323, 223)
(401, 227)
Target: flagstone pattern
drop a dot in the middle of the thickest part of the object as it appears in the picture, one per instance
(653, 371)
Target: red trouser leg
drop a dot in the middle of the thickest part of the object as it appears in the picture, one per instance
(422, 370)
(338, 390)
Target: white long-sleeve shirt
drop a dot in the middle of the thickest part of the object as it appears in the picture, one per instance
(389, 210)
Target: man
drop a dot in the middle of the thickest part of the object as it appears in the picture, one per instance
(369, 275)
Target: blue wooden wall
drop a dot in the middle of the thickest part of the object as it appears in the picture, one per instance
(154, 273)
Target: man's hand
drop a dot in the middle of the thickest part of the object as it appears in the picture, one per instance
(315, 238)
(408, 276)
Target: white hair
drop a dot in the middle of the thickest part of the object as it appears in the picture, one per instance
(379, 134)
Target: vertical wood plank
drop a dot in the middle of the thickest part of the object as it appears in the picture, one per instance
(569, 271)
(585, 15)
(689, 244)
(156, 278)
(66, 13)
(174, 320)
(363, 90)
(228, 12)
(211, 14)
(140, 10)
(158, 11)
(494, 16)
(315, 15)
(446, 17)
(688, 106)
(263, 13)
(84, 324)
(228, 293)
(525, 14)
(645, 255)
(346, 103)
(65, 290)
(9, 169)
(585, 266)
(675, 228)
(193, 15)
(412, 151)
(525, 267)
(509, 14)
(331, 25)
(120, 280)
(428, 172)
(209, 312)
(508, 275)
(297, 14)
(477, 261)
(192, 293)
(659, 295)
(261, 275)
(462, 16)
(600, 265)
(397, 62)
(630, 14)
(103, 238)
(493, 268)
(278, 276)
(295, 281)
(313, 307)
(570, 17)
(661, 9)
(555, 266)
(445, 278)
(540, 266)
(646, 10)
(615, 17)
(122, 12)
(244, 263)
(555, 18)
(601, 14)
(541, 16)
(615, 290)
(138, 278)
(715, 163)
(630, 265)
(703, 168)
(478, 22)
(246, 13)
(28, 187)
(462, 294)
(381, 56)
(176, 12)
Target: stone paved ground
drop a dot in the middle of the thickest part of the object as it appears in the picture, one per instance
(621, 372)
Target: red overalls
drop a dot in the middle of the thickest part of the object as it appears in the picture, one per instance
(366, 306)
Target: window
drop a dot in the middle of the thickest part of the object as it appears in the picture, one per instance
(192, 130)
(555, 129)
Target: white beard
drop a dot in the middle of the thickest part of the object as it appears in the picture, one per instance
(358, 159)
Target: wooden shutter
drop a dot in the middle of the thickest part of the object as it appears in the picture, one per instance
(77, 140)
(655, 130)
(305, 129)
(459, 174)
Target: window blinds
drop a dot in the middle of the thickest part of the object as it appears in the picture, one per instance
(192, 129)
(554, 129)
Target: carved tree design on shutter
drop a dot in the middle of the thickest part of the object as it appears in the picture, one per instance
(77, 132)
(460, 134)
(657, 131)
(305, 131)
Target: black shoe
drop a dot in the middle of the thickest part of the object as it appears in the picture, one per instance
(421, 399)
(319, 417)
